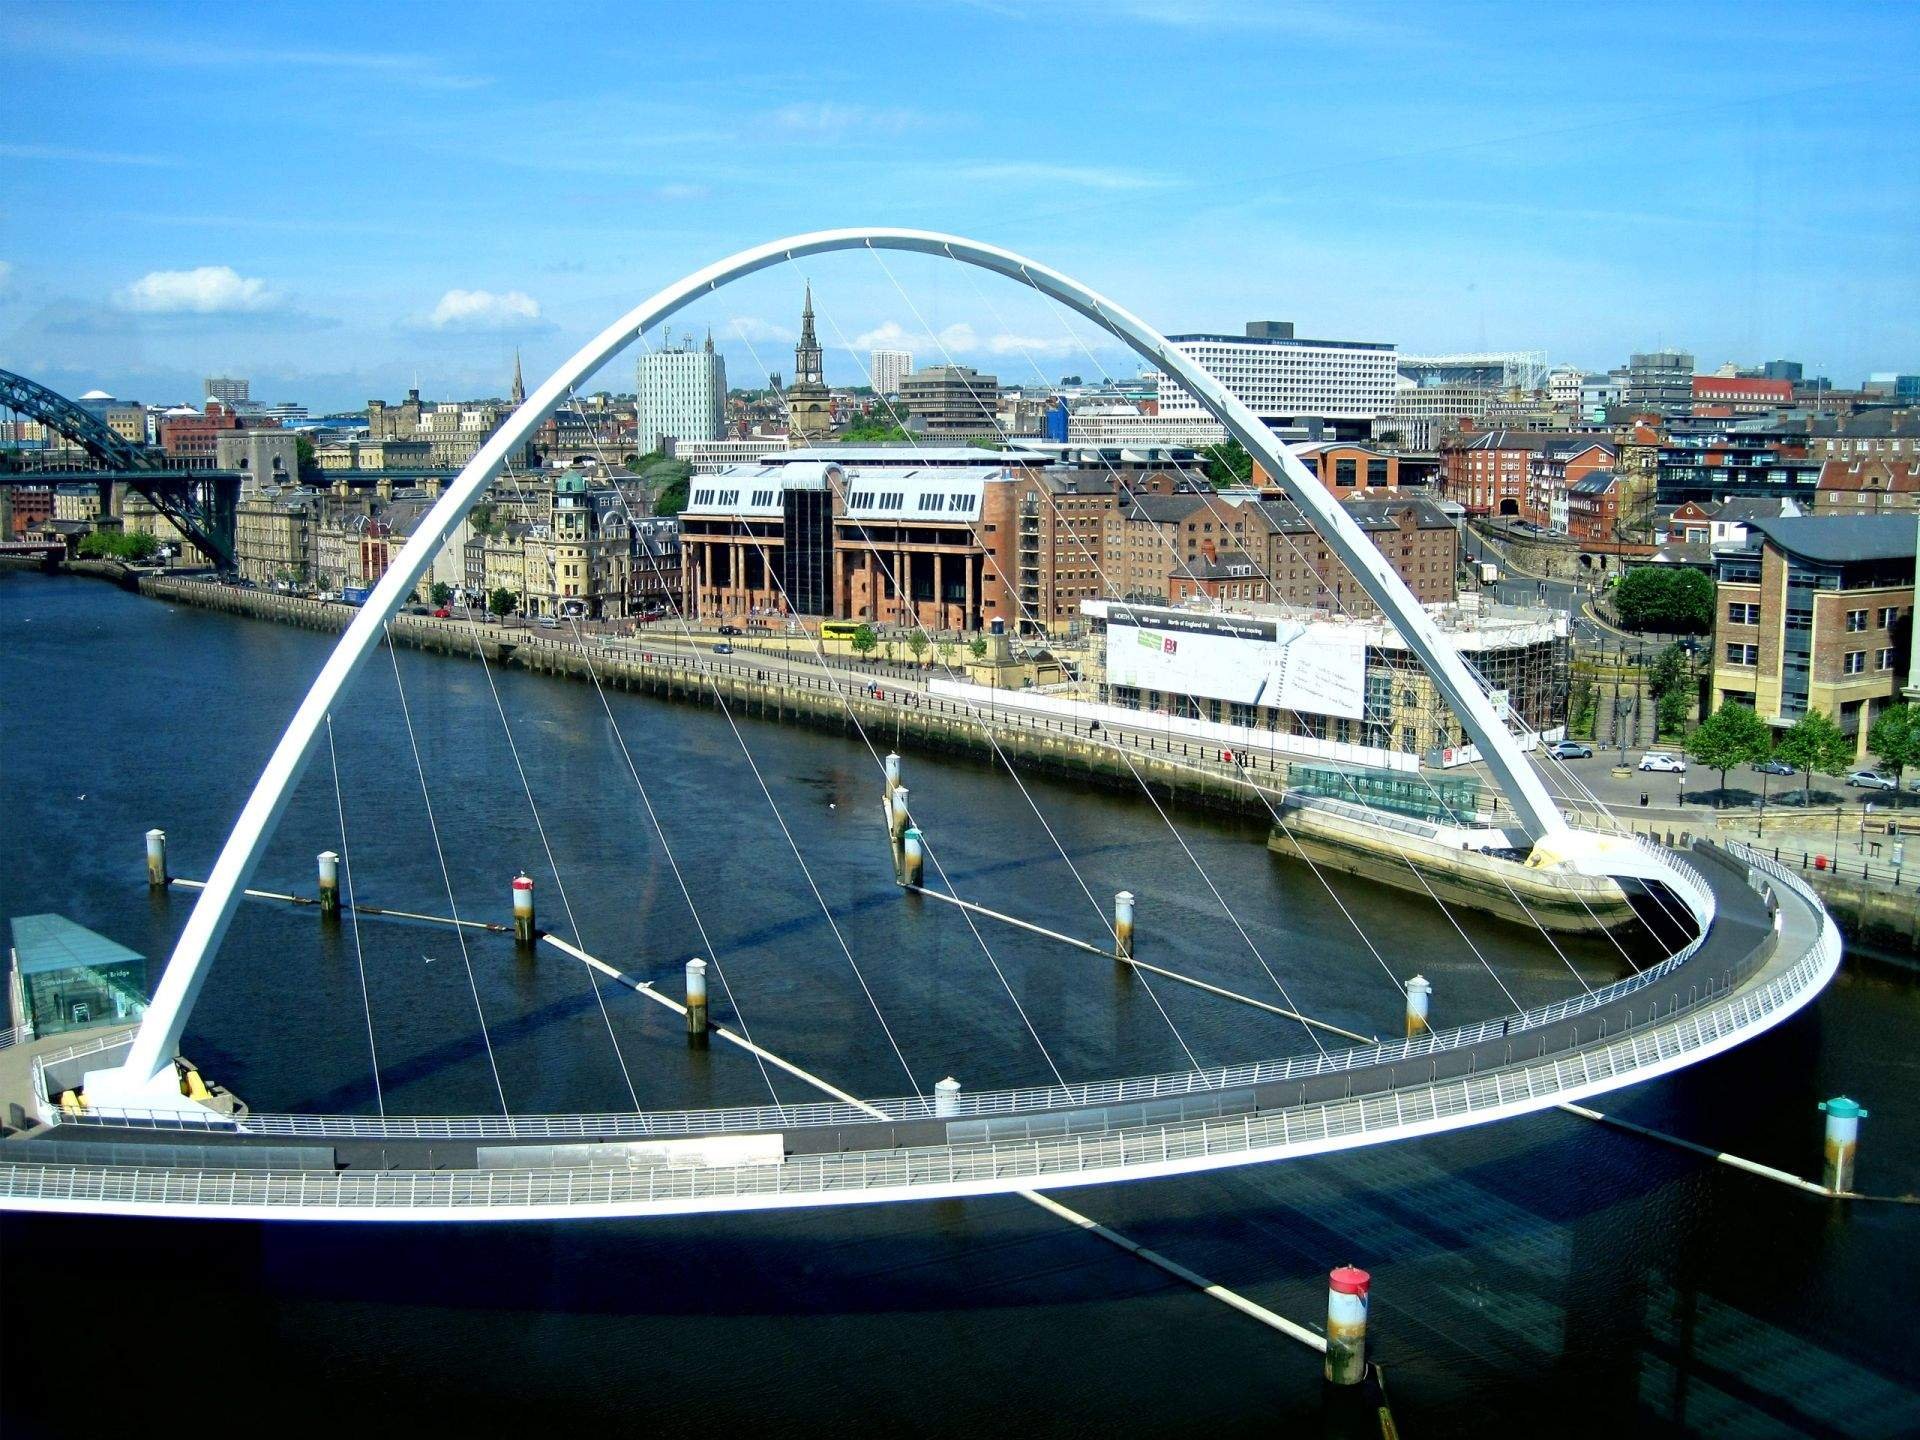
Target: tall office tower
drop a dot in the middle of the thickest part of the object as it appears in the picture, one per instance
(681, 392)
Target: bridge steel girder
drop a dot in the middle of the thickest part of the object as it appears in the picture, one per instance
(202, 510)
(146, 1076)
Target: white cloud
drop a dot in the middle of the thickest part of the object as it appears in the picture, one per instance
(961, 340)
(67, 155)
(484, 310)
(1088, 177)
(758, 332)
(830, 120)
(889, 335)
(209, 290)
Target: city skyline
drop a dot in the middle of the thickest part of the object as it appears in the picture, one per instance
(416, 207)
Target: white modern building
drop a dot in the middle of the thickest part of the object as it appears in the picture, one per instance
(709, 456)
(681, 394)
(1129, 425)
(1347, 386)
(887, 369)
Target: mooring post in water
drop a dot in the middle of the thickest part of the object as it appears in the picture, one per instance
(1347, 1325)
(329, 884)
(913, 858)
(1843, 1141)
(523, 910)
(1419, 999)
(892, 766)
(157, 859)
(946, 1097)
(697, 1002)
(1123, 925)
(897, 818)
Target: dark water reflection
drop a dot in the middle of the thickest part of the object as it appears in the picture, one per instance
(1542, 1275)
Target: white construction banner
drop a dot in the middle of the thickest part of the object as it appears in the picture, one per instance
(1283, 664)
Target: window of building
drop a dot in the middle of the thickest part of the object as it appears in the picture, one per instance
(1743, 654)
(1888, 614)
(1343, 473)
(1883, 660)
(1741, 613)
(1856, 619)
(1856, 662)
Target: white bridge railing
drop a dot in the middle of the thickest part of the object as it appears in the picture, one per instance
(1002, 1166)
(983, 1103)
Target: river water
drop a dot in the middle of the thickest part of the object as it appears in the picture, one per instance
(1544, 1275)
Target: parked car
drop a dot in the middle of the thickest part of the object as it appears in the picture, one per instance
(547, 622)
(723, 648)
(1872, 780)
(729, 629)
(1775, 767)
(443, 613)
(1570, 750)
(1660, 762)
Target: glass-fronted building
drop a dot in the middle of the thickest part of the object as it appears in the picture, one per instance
(65, 977)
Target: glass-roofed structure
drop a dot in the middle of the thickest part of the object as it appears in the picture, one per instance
(66, 977)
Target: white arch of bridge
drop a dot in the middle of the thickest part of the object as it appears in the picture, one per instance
(146, 1077)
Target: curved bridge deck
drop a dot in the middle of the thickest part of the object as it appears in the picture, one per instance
(1769, 951)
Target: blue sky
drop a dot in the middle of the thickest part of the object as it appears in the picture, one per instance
(340, 201)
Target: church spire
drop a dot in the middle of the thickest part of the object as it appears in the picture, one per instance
(519, 386)
(806, 354)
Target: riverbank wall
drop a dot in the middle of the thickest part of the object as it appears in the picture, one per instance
(844, 703)
(1184, 773)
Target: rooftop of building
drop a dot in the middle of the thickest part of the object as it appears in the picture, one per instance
(1869, 473)
(1869, 425)
(1284, 341)
(1473, 624)
(1595, 482)
(1842, 539)
(43, 943)
(909, 455)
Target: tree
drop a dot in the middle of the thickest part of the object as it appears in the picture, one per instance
(1665, 598)
(945, 652)
(672, 498)
(977, 647)
(876, 429)
(1814, 742)
(1228, 463)
(1895, 739)
(1732, 735)
(864, 640)
(442, 594)
(130, 545)
(917, 643)
(501, 602)
(306, 464)
(1671, 681)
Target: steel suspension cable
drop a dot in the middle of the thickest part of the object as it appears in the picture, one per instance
(559, 884)
(353, 914)
(1033, 804)
(453, 906)
(709, 949)
(793, 845)
(1377, 722)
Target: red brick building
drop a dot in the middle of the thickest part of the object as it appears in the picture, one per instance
(1867, 487)
(1738, 395)
(1346, 470)
(1593, 507)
